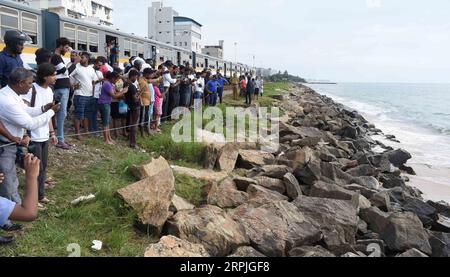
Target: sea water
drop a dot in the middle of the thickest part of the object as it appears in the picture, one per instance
(417, 114)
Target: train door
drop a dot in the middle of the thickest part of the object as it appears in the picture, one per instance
(154, 56)
(178, 58)
(206, 63)
(112, 48)
(225, 70)
(194, 60)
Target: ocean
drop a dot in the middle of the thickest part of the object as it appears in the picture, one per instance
(417, 114)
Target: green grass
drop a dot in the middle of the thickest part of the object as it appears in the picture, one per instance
(101, 170)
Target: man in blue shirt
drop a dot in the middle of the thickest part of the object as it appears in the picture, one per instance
(212, 89)
(10, 56)
(222, 82)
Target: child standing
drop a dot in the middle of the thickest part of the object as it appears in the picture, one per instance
(133, 99)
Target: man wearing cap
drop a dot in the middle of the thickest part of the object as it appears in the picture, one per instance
(10, 56)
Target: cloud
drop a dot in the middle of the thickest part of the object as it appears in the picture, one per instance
(373, 4)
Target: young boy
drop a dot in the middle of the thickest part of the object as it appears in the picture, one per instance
(40, 95)
(28, 210)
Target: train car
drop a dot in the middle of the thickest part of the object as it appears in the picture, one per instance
(44, 27)
(14, 16)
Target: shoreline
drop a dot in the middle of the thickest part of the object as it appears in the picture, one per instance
(432, 179)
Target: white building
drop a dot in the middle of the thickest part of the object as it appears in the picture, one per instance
(188, 33)
(165, 25)
(160, 23)
(214, 50)
(97, 11)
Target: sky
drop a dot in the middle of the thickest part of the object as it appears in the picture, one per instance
(342, 41)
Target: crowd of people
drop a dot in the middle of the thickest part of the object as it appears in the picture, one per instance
(34, 105)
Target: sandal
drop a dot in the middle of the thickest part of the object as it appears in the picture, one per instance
(41, 207)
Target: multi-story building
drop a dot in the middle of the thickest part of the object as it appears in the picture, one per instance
(165, 25)
(97, 11)
(214, 50)
(161, 23)
(188, 33)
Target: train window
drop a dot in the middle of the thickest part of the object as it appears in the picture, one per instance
(9, 19)
(127, 47)
(82, 34)
(30, 26)
(93, 41)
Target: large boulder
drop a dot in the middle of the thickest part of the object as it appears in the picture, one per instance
(390, 181)
(227, 157)
(259, 195)
(293, 189)
(299, 158)
(180, 204)
(247, 252)
(399, 157)
(311, 252)
(173, 247)
(252, 158)
(369, 182)
(362, 170)
(326, 190)
(272, 184)
(440, 243)
(225, 195)
(405, 231)
(151, 199)
(427, 214)
(368, 193)
(209, 226)
(337, 219)
(154, 167)
(275, 171)
(276, 227)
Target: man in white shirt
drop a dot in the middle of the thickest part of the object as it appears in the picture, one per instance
(16, 116)
(199, 87)
(168, 81)
(84, 76)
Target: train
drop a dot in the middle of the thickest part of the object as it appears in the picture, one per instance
(44, 27)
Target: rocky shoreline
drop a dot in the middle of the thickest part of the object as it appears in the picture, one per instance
(330, 191)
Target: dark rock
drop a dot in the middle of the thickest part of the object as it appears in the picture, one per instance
(285, 227)
(368, 193)
(405, 231)
(311, 252)
(408, 170)
(375, 218)
(350, 132)
(440, 243)
(293, 189)
(363, 170)
(337, 219)
(442, 224)
(271, 184)
(381, 162)
(276, 171)
(391, 181)
(325, 190)
(361, 157)
(399, 157)
(382, 200)
(426, 213)
(299, 158)
(442, 207)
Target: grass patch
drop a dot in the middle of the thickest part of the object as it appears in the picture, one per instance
(189, 189)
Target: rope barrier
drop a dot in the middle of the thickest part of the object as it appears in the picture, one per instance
(114, 129)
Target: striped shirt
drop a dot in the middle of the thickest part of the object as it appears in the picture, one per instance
(62, 77)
